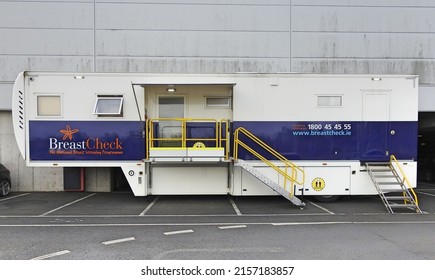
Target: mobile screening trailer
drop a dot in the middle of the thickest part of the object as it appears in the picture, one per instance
(238, 134)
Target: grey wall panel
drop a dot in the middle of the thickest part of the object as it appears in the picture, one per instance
(426, 99)
(10, 66)
(364, 45)
(204, 2)
(46, 42)
(424, 68)
(5, 96)
(363, 19)
(46, 15)
(193, 44)
(191, 65)
(198, 17)
(370, 3)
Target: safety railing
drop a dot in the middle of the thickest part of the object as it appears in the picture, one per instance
(180, 136)
(394, 163)
(297, 175)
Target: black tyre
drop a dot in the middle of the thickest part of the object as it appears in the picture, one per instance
(5, 187)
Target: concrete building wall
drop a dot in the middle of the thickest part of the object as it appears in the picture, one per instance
(207, 36)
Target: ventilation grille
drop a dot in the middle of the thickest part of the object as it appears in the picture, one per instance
(21, 110)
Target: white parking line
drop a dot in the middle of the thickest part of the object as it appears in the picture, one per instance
(425, 193)
(178, 232)
(321, 207)
(68, 204)
(15, 196)
(118, 241)
(208, 224)
(149, 206)
(232, 227)
(52, 255)
(311, 223)
(236, 209)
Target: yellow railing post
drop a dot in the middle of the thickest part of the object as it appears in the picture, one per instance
(295, 169)
(405, 179)
(218, 139)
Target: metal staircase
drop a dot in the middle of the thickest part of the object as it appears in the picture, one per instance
(271, 184)
(394, 190)
(290, 172)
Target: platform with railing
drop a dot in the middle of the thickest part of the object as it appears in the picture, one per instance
(187, 140)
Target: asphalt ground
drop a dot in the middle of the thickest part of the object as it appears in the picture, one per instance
(82, 225)
(41, 204)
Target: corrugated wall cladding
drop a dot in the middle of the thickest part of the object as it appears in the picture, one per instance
(389, 37)
(321, 36)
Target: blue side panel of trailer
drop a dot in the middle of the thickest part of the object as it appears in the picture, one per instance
(364, 141)
(86, 140)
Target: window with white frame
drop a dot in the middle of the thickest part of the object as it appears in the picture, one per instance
(329, 100)
(218, 102)
(109, 106)
(49, 105)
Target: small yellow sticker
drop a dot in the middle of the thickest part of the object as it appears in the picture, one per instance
(318, 184)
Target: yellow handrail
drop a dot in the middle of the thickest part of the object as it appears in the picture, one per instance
(218, 139)
(287, 164)
(405, 179)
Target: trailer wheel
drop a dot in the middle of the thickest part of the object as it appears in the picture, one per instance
(326, 198)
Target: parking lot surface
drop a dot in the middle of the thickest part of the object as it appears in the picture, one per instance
(82, 225)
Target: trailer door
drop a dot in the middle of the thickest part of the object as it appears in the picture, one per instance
(376, 125)
(171, 107)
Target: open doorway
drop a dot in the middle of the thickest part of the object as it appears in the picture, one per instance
(118, 181)
(426, 147)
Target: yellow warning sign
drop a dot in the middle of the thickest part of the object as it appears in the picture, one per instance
(318, 184)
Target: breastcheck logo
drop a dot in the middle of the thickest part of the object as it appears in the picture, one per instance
(65, 144)
(68, 132)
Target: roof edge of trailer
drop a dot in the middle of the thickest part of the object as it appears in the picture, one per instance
(215, 75)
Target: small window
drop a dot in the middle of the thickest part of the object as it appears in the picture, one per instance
(217, 102)
(108, 106)
(49, 106)
(329, 101)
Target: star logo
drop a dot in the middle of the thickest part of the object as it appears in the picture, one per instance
(68, 132)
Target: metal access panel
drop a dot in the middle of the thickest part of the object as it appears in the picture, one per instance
(326, 180)
(189, 180)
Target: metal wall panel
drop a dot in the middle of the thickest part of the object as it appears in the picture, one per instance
(11, 65)
(44, 35)
(15, 14)
(54, 42)
(363, 19)
(5, 96)
(370, 3)
(204, 2)
(252, 18)
(384, 36)
(191, 64)
(364, 45)
(192, 44)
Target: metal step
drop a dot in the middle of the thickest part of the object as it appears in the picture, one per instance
(268, 182)
(381, 170)
(394, 205)
(390, 183)
(396, 198)
(386, 194)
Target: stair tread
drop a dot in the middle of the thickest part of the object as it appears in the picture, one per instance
(271, 184)
(396, 198)
(403, 206)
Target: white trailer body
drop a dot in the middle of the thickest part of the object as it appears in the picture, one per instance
(174, 133)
